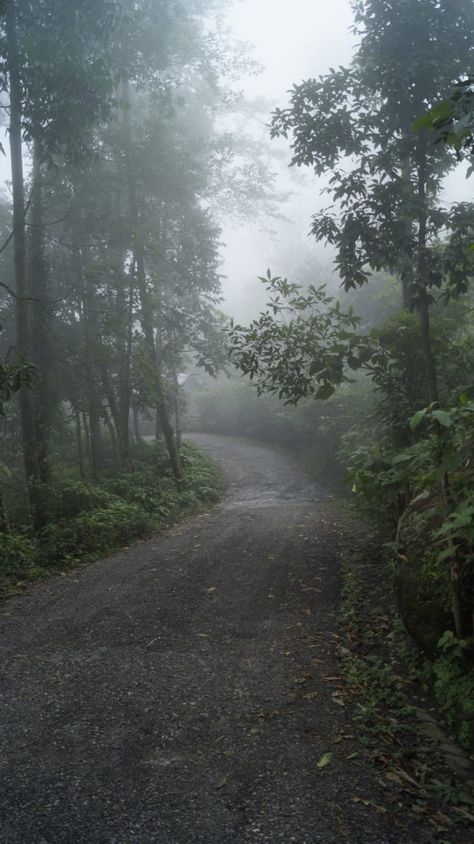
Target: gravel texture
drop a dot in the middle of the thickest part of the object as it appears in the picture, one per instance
(184, 689)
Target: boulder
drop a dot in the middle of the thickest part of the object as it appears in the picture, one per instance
(421, 586)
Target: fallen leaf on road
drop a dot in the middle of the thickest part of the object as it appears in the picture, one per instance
(222, 783)
(303, 679)
(310, 695)
(203, 635)
(381, 809)
(343, 737)
(212, 589)
(325, 760)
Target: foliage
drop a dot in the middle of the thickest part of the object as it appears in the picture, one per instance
(65, 67)
(18, 554)
(12, 378)
(93, 532)
(453, 678)
(355, 123)
(90, 520)
(452, 120)
(391, 689)
(298, 356)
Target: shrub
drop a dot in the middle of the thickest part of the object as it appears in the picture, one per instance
(93, 533)
(17, 553)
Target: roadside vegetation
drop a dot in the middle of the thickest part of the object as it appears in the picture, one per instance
(89, 520)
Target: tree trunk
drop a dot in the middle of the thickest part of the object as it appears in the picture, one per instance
(426, 347)
(89, 341)
(158, 431)
(40, 324)
(124, 386)
(423, 305)
(422, 280)
(95, 433)
(107, 417)
(176, 394)
(4, 526)
(136, 424)
(146, 310)
(112, 403)
(80, 450)
(406, 214)
(87, 433)
(124, 341)
(23, 344)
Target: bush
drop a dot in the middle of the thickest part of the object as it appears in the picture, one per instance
(89, 520)
(453, 676)
(93, 533)
(70, 499)
(18, 553)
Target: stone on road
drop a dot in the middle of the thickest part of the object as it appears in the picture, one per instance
(185, 689)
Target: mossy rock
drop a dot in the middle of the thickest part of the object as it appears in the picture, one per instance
(422, 591)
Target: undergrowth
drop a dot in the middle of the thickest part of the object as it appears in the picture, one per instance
(396, 718)
(88, 520)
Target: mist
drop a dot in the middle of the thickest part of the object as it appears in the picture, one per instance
(236, 421)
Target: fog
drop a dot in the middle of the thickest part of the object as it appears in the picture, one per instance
(292, 42)
(210, 486)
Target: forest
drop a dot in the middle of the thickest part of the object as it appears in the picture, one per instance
(129, 147)
(110, 263)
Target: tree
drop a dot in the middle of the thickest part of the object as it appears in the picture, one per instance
(44, 98)
(356, 123)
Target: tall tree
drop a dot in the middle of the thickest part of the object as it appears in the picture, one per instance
(356, 123)
(44, 97)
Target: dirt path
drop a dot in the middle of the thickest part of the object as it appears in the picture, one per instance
(179, 691)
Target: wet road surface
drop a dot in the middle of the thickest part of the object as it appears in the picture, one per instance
(184, 689)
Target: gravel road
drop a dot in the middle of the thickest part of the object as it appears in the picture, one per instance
(184, 689)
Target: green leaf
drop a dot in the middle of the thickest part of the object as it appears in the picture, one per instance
(443, 417)
(325, 760)
(417, 418)
(325, 392)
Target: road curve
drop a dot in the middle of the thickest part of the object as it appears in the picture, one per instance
(183, 690)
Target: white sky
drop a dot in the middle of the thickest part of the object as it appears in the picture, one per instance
(293, 40)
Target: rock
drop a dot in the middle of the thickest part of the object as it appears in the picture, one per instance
(422, 594)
